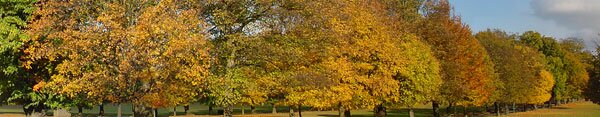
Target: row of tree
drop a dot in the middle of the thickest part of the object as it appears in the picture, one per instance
(325, 54)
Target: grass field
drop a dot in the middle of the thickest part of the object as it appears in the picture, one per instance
(580, 109)
(202, 110)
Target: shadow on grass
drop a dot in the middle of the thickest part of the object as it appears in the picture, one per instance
(391, 113)
(559, 107)
(12, 113)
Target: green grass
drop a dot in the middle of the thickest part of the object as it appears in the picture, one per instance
(578, 109)
(198, 109)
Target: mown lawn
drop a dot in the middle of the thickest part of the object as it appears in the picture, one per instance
(578, 109)
(202, 110)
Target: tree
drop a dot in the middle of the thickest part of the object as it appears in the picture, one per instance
(150, 53)
(467, 71)
(521, 69)
(592, 91)
(555, 58)
(18, 76)
(576, 66)
(366, 62)
(13, 19)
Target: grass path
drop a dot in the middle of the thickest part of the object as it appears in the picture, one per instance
(579, 109)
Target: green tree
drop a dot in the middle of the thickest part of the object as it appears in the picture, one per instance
(592, 91)
(575, 66)
(555, 58)
(521, 69)
(18, 76)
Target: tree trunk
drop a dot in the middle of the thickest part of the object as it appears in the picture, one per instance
(175, 111)
(210, 109)
(449, 109)
(506, 110)
(341, 110)
(252, 109)
(243, 110)
(380, 111)
(101, 111)
(347, 113)
(119, 111)
(62, 113)
(514, 108)
(274, 111)
(37, 111)
(186, 109)
(497, 108)
(79, 111)
(436, 108)
(411, 113)
(228, 111)
(27, 111)
(300, 111)
(141, 111)
(291, 111)
(465, 111)
(155, 113)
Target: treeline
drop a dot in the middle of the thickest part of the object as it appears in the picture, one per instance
(323, 54)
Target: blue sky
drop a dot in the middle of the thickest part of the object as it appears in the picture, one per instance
(514, 16)
(556, 18)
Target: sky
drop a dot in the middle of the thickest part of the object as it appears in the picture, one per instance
(556, 18)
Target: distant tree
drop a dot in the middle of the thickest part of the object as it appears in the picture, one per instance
(576, 66)
(592, 91)
(555, 58)
(521, 69)
(467, 70)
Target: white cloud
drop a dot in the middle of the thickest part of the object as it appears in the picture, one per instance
(582, 16)
(574, 14)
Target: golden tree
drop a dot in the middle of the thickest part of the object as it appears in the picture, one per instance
(150, 53)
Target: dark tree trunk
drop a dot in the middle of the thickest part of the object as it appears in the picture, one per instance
(210, 109)
(347, 113)
(186, 109)
(449, 109)
(252, 109)
(380, 111)
(38, 111)
(436, 109)
(80, 111)
(497, 109)
(27, 111)
(300, 111)
(101, 110)
(465, 111)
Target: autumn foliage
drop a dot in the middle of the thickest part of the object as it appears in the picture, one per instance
(323, 54)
